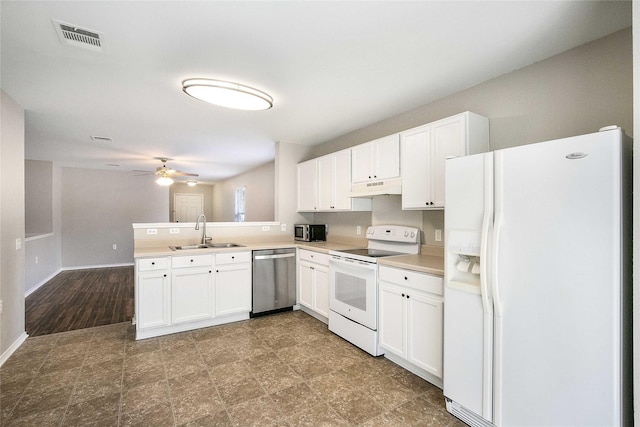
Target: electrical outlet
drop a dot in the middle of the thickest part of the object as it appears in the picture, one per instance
(152, 231)
(174, 231)
(283, 227)
(266, 228)
(115, 246)
(438, 235)
(358, 230)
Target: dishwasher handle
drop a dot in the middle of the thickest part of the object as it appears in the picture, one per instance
(259, 257)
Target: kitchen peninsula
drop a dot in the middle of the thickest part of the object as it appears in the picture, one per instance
(180, 290)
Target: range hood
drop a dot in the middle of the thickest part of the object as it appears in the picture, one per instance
(381, 187)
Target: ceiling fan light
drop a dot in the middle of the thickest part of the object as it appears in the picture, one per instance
(164, 181)
(192, 183)
(227, 94)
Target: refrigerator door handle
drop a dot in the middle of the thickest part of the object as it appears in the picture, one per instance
(495, 282)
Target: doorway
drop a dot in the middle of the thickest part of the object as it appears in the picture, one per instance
(187, 207)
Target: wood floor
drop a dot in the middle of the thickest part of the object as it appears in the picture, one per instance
(79, 299)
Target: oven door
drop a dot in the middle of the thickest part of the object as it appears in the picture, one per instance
(353, 290)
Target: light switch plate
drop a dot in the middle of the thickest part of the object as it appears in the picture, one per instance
(438, 235)
(18, 244)
(283, 227)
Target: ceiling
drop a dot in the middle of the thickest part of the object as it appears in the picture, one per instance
(332, 67)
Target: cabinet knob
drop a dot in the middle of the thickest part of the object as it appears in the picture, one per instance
(217, 271)
(407, 296)
(191, 260)
(209, 271)
(165, 275)
(402, 295)
(431, 203)
(153, 263)
(233, 257)
(406, 278)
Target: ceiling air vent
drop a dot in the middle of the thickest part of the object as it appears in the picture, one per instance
(104, 139)
(78, 37)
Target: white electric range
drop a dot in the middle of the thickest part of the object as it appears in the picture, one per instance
(353, 283)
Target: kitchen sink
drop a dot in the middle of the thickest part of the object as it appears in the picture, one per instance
(225, 245)
(207, 246)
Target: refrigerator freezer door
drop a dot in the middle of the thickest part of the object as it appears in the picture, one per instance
(468, 316)
(557, 332)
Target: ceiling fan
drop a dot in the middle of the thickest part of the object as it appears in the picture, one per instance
(165, 174)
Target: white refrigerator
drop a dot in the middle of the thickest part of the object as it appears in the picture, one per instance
(537, 311)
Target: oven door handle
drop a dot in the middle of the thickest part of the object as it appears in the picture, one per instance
(352, 262)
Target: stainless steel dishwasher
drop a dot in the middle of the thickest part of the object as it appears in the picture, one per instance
(274, 280)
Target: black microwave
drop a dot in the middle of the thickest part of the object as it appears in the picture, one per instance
(310, 232)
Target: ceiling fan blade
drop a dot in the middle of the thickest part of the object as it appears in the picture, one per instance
(178, 173)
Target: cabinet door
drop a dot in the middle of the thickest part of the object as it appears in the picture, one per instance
(448, 139)
(191, 294)
(326, 182)
(424, 331)
(307, 186)
(416, 168)
(342, 180)
(152, 299)
(386, 157)
(362, 162)
(392, 319)
(233, 289)
(305, 284)
(321, 282)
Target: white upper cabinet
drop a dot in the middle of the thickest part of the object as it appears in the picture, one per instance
(308, 186)
(376, 160)
(324, 185)
(424, 151)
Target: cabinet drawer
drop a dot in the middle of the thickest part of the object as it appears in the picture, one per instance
(191, 261)
(149, 264)
(411, 279)
(233, 258)
(312, 256)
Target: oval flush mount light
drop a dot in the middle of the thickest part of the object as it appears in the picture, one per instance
(227, 94)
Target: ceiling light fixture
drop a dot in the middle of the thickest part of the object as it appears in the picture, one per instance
(165, 181)
(192, 183)
(227, 94)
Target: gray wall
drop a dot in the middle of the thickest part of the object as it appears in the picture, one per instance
(98, 208)
(38, 193)
(12, 217)
(43, 257)
(572, 93)
(260, 193)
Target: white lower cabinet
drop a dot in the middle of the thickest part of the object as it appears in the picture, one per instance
(411, 320)
(152, 292)
(180, 293)
(191, 288)
(313, 282)
(233, 283)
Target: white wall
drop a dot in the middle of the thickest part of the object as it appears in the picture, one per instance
(573, 93)
(636, 212)
(259, 186)
(12, 220)
(98, 208)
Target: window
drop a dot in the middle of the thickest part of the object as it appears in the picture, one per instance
(240, 205)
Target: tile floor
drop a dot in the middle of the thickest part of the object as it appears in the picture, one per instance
(283, 370)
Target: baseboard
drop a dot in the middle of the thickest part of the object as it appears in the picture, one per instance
(12, 348)
(42, 282)
(87, 267)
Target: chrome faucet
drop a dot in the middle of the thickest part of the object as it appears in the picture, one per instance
(204, 228)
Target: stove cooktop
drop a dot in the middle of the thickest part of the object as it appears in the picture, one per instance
(372, 253)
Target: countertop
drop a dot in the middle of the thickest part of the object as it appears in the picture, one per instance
(422, 263)
(431, 264)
